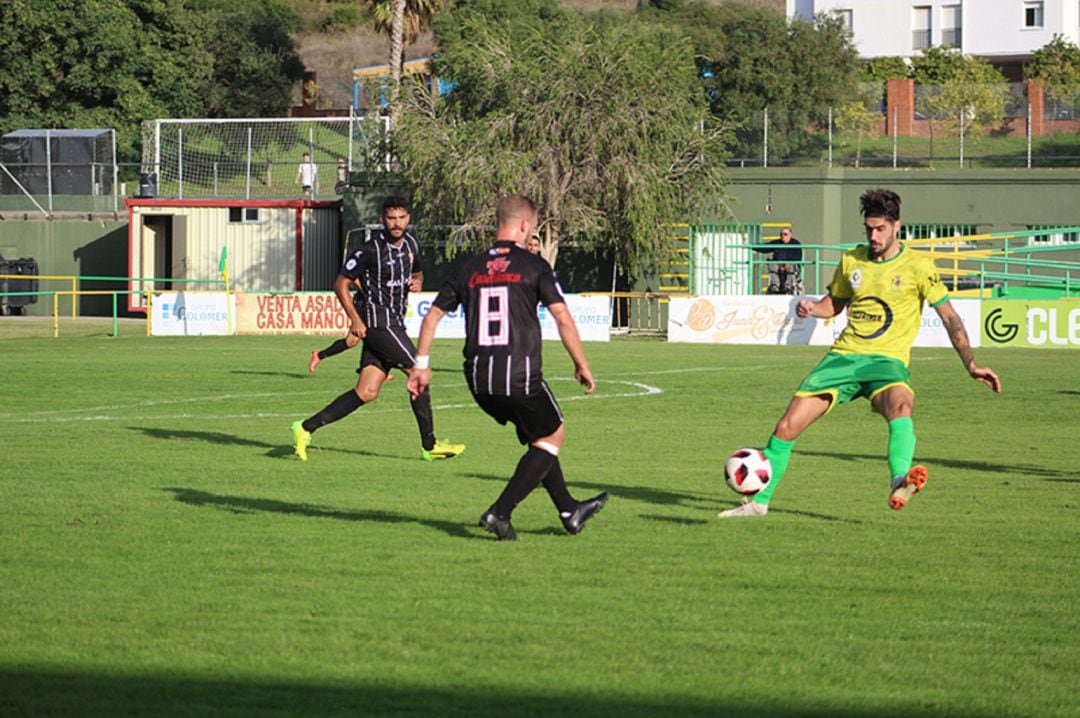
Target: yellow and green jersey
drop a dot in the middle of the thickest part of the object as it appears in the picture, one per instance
(885, 301)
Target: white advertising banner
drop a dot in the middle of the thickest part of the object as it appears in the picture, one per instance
(192, 314)
(771, 319)
(320, 313)
(591, 314)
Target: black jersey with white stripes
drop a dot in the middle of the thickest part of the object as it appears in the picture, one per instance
(500, 290)
(383, 269)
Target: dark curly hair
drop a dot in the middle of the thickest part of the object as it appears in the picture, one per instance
(881, 203)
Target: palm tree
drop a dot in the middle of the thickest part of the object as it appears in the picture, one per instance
(402, 21)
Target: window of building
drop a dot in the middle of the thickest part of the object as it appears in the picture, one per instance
(847, 17)
(1033, 14)
(243, 214)
(950, 26)
(1051, 238)
(920, 28)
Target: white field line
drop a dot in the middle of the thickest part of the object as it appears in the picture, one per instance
(64, 415)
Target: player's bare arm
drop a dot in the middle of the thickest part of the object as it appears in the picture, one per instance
(824, 308)
(959, 338)
(572, 341)
(420, 376)
(416, 281)
(342, 284)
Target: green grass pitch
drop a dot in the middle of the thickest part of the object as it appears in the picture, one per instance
(163, 553)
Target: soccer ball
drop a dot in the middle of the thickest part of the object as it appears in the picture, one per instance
(747, 471)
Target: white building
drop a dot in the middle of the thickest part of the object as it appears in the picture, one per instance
(1004, 32)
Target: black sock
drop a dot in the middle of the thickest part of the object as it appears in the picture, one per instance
(421, 408)
(556, 488)
(531, 470)
(336, 348)
(339, 408)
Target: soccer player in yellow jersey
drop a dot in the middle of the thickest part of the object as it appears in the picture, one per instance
(883, 284)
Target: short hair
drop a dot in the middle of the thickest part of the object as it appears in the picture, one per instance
(880, 203)
(394, 202)
(513, 207)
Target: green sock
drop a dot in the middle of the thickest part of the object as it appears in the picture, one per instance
(778, 452)
(901, 446)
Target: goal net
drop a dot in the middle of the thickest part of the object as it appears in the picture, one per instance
(259, 158)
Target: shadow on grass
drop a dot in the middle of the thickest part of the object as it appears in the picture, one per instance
(248, 505)
(274, 451)
(681, 520)
(95, 694)
(286, 374)
(645, 494)
(991, 467)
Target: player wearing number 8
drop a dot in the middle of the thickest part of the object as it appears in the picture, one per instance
(500, 289)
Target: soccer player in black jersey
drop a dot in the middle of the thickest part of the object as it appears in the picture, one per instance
(386, 267)
(500, 289)
(345, 343)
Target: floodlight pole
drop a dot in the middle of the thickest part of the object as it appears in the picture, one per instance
(830, 136)
(1029, 136)
(115, 180)
(48, 166)
(765, 141)
(180, 160)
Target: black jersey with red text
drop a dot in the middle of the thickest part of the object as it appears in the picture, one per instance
(500, 289)
(384, 271)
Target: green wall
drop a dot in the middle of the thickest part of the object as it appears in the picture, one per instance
(823, 204)
(84, 247)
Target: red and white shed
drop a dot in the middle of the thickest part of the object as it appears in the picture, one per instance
(271, 245)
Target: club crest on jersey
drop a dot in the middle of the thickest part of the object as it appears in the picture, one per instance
(498, 265)
(856, 279)
(897, 280)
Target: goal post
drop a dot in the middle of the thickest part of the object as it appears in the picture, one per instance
(259, 158)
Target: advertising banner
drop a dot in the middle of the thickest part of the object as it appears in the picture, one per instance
(771, 319)
(320, 313)
(1038, 323)
(192, 314)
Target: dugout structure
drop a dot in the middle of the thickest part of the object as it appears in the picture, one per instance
(269, 245)
(42, 165)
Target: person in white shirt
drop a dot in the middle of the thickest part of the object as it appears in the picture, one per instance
(307, 175)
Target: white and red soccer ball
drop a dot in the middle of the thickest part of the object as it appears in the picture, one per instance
(747, 471)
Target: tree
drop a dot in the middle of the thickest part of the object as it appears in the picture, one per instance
(1057, 65)
(967, 93)
(882, 69)
(860, 116)
(255, 64)
(401, 21)
(751, 59)
(604, 125)
(115, 63)
(107, 64)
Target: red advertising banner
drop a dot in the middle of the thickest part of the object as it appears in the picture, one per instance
(306, 313)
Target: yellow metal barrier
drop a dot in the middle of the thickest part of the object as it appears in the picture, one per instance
(63, 278)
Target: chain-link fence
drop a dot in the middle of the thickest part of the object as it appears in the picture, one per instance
(45, 171)
(962, 126)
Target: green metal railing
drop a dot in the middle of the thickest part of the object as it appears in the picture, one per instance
(990, 264)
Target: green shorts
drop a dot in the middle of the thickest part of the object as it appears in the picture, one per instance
(849, 376)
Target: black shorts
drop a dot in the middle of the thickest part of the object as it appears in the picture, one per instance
(534, 416)
(387, 349)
